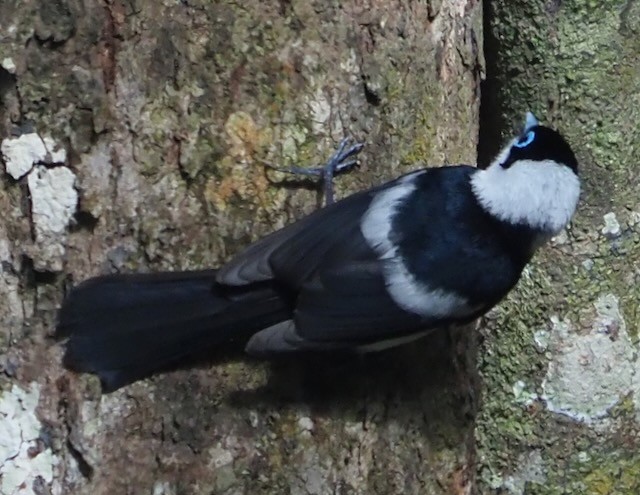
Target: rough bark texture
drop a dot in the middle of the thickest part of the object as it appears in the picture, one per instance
(132, 135)
(560, 367)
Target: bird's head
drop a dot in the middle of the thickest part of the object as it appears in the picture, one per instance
(532, 182)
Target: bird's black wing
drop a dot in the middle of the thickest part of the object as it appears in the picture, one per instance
(347, 301)
(337, 277)
(292, 254)
(343, 304)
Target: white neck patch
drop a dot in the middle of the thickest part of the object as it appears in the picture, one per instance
(540, 194)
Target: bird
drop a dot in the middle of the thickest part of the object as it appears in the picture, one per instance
(433, 248)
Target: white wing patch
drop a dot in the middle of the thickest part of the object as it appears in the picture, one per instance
(411, 295)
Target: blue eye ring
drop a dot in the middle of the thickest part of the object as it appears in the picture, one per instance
(525, 141)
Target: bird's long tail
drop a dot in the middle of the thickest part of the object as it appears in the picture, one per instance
(125, 327)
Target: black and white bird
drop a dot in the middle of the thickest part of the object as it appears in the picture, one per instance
(435, 247)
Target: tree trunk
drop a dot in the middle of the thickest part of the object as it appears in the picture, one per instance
(560, 367)
(133, 135)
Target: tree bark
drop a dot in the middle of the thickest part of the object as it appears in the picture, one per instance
(133, 135)
(560, 370)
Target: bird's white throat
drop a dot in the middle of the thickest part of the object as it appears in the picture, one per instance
(541, 194)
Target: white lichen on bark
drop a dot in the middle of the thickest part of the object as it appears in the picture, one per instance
(591, 372)
(53, 204)
(24, 459)
(23, 152)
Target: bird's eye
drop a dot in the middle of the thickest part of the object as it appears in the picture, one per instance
(525, 140)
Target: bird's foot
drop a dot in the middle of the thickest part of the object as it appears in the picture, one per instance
(341, 161)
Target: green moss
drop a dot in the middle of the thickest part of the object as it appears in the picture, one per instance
(600, 473)
(503, 423)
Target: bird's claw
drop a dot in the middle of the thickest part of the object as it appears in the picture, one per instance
(341, 161)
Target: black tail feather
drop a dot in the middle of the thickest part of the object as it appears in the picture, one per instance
(125, 327)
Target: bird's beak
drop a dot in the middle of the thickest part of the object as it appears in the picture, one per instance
(530, 121)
